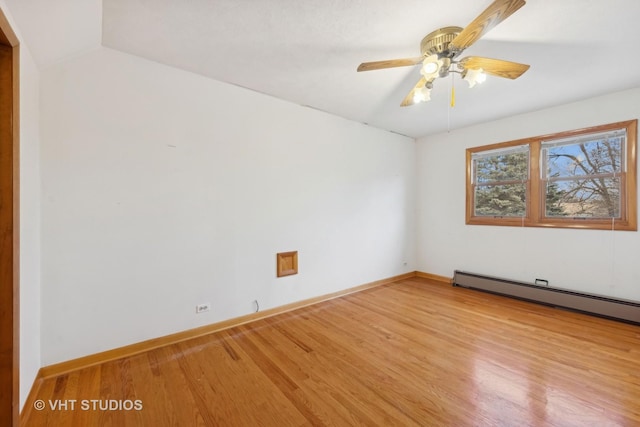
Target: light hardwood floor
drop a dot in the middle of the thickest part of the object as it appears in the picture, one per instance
(413, 352)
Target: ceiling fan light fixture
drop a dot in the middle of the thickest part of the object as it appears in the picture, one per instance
(474, 76)
(481, 77)
(421, 95)
(430, 66)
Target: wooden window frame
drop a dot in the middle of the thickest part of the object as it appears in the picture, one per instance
(535, 191)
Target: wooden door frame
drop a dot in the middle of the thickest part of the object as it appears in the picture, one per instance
(9, 225)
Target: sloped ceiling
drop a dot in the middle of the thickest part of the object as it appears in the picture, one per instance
(307, 52)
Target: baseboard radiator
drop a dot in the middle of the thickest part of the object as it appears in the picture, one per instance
(612, 308)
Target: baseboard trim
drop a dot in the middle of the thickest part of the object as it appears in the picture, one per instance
(141, 347)
(435, 277)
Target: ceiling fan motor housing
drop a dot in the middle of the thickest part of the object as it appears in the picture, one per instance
(437, 42)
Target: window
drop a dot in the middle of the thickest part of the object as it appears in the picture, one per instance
(500, 178)
(581, 176)
(577, 179)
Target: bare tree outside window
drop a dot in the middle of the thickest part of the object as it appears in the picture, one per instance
(583, 178)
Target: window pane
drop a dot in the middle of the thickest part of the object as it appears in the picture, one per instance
(502, 167)
(597, 156)
(500, 200)
(583, 197)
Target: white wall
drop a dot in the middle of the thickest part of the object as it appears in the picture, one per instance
(29, 216)
(163, 189)
(602, 262)
(29, 224)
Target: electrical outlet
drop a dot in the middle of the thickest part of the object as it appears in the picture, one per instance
(201, 308)
(542, 282)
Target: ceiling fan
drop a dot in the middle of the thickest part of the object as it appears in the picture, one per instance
(441, 48)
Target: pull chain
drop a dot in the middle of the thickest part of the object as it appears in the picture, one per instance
(453, 92)
(451, 104)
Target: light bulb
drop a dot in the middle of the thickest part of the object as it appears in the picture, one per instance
(430, 67)
(481, 77)
(474, 76)
(421, 95)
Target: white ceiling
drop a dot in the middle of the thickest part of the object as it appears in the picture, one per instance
(307, 51)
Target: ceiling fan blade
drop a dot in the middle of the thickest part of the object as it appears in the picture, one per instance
(495, 67)
(408, 100)
(497, 12)
(390, 63)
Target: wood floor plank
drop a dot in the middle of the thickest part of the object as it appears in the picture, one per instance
(321, 377)
(415, 352)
